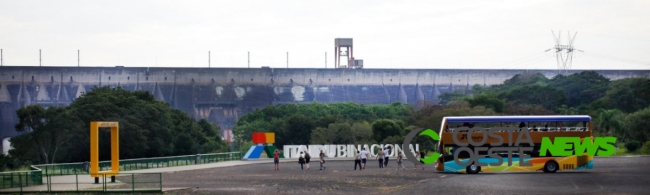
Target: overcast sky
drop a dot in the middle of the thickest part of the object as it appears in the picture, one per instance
(387, 34)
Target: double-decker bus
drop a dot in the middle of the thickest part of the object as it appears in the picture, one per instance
(537, 126)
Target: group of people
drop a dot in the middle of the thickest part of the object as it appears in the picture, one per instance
(360, 159)
(382, 157)
(303, 160)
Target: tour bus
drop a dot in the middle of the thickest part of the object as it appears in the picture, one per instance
(537, 126)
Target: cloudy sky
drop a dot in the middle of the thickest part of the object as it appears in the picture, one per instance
(387, 34)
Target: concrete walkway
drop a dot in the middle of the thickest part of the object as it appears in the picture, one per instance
(85, 182)
(200, 166)
(218, 164)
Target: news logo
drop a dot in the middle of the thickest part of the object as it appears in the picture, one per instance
(559, 146)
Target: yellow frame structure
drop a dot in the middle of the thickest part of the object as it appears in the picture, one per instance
(94, 148)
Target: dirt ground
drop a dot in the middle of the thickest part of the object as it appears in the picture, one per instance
(611, 175)
(339, 177)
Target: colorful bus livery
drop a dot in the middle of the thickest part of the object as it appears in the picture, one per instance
(510, 143)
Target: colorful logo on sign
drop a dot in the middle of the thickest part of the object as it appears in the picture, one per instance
(263, 143)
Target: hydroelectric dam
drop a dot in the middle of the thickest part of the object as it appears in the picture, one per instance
(222, 95)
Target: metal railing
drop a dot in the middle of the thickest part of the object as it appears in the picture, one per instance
(141, 163)
(36, 176)
(21, 178)
(124, 183)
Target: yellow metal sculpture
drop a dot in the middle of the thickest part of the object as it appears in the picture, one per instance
(94, 149)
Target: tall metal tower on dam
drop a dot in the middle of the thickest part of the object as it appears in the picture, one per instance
(343, 48)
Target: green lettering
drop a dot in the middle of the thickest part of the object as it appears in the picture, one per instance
(606, 145)
(547, 145)
(586, 144)
(564, 147)
(559, 147)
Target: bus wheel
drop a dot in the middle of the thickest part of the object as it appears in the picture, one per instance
(550, 167)
(473, 169)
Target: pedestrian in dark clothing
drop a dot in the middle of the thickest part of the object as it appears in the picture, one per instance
(301, 160)
(380, 157)
(307, 159)
(386, 154)
(357, 161)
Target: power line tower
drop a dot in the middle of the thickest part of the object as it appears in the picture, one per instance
(564, 53)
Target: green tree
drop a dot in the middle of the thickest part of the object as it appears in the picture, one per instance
(609, 121)
(646, 148)
(47, 128)
(298, 129)
(210, 136)
(184, 145)
(383, 128)
(628, 95)
(393, 139)
(343, 133)
(487, 100)
(361, 131)
(447, 97)
(547, 96)
(637, 124)
(520, 80)
(512, 108)
(322, 135)
(6, 162)
(148, 128)
(477, 89)
(565, 110)
(632, 146)
(581, 88)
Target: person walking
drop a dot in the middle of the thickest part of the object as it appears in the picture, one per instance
(364, 156)
(380, 157)
(417, 158)
(357, 161)
(400, 158)
(386, 155)
(322, 160)
(276, 159)
(421, 156)
(301, 160)
(307, 158)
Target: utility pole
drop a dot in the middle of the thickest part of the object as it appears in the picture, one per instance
(325, 60)
(287, 59)
(39, 58)
(249, 59)
(208, 59)
(1, 59)
(78, 61)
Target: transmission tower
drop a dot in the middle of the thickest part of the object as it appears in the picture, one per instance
(564, 53)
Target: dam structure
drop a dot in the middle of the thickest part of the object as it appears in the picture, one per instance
(221, 95)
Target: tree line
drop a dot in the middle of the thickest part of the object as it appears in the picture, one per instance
(618, 108)
(148, 128)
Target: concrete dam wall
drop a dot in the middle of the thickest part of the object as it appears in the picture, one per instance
(222, 95)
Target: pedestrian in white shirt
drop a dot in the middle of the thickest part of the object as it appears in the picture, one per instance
(364, 157)
(386, 154)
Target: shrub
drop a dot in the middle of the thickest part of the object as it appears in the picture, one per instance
(646, 148)
(632, 146)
